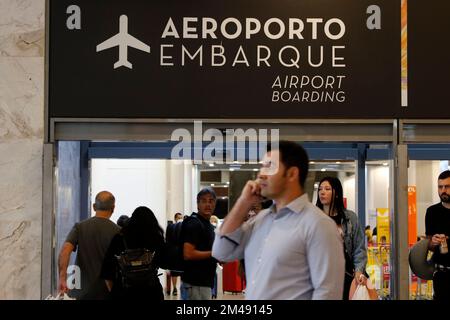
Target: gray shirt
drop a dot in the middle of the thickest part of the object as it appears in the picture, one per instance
(91, 238)
(295, 253)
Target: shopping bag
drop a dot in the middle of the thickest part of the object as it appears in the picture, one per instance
(59, 296)
(361, 292)
(371, 289)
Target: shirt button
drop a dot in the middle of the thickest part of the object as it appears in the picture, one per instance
(253, 281)
(259, 260)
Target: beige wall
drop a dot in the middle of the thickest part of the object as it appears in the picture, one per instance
(21, 144)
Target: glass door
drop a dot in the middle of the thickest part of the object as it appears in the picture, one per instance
(427, 161)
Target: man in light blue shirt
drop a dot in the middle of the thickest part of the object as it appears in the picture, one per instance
(292, 250)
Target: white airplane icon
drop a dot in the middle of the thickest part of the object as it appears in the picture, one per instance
(123, 40)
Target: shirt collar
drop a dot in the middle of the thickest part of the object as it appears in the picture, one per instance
(295, 205)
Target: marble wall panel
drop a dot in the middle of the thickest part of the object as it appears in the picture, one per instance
(21, 143)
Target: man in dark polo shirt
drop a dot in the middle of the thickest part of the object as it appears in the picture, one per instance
(437, 229)
(198, 237)
(91, 239)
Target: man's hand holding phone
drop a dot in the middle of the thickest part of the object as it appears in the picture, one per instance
(251, 193)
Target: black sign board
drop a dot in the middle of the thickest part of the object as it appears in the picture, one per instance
(428, 59)
(224, 59)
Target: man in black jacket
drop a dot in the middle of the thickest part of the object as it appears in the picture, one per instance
(437, 229)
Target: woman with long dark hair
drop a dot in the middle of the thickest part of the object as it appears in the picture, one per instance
(141, 232)
(331, 200)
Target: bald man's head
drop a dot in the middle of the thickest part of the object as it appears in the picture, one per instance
(104, 201)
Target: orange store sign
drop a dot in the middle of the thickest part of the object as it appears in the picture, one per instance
(412, 215)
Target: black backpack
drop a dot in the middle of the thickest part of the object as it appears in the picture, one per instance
(175, 243)
(136, 268)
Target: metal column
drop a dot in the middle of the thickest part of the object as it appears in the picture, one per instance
(48, 222)
(85, 208)
(399, 227)
(361, 185)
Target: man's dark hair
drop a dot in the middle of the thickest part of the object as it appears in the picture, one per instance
(293, 155)
(176, 215)
(444, 175)
(204, 191)
(123, 220)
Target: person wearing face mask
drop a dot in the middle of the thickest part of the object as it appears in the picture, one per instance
(331, 201)
(214, 221)
(437, 229)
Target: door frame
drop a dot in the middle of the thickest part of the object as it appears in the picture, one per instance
(371, 132)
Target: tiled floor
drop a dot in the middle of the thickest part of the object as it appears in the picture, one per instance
(229, 296)
(220, 296)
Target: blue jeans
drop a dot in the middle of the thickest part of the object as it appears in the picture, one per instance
(214, 288)
(190, 292)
